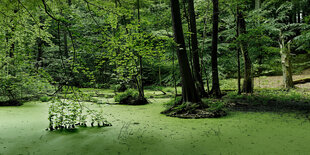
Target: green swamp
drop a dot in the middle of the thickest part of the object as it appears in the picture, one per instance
(143, 130)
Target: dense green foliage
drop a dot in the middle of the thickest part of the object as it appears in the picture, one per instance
(51, 48)
(128, 93)
(98, 43)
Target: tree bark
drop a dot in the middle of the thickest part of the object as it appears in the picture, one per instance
(215, 91)
(194, 43)
(248, 79)
(238, 56)
(40, 43)
(257, 4)
(40, 53)
(66, 48)
(141, 91)
(189, 92)
(286, 63)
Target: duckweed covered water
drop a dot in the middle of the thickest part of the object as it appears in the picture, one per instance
(143, 130)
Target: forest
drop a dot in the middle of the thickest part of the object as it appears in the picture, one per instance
(154, 77)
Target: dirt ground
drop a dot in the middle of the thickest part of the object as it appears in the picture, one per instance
(276, 81)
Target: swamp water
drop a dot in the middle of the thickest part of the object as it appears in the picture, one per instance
(143, 130)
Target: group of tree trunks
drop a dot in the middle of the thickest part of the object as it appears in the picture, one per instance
(192, 84)
(192, 92)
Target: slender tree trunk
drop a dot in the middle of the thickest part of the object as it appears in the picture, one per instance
(286, 63)
(159, 75)
(194, 43)
(66, 49)
(40, 53)
(189, 92)
(248, 80)
(40, 43)
(257, 4)
(238, 55)
(141, 92)
(190, 52)
(204, 65)
(298, 17)
(215, 91)
(12, 49)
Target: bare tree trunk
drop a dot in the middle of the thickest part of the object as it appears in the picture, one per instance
(189, 92)
(40, 43)
(257, 4)
(238, 56)
(215, 91)
(286, 63)
(40, 53)
(66, 50)
(196, 66)
(248, 84)
(204, 65)
(141, 91)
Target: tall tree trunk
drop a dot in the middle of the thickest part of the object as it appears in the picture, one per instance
(66, 48)
(40, 43)
(248, 80)
(203, 64)
(194, 43)
(190, 52)
(12, 49)
(257, 4)
(141, 91)
(215, 91)
(285, 52)
(238, 54)
(40, 53)
(189, 92)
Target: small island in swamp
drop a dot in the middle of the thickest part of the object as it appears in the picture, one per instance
(160, 77)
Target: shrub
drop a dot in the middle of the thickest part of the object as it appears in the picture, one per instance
(214, 105)
(130, 92)
(173, 102)
(130, 97)
(119, 87)
(22, 85)
(44, 98)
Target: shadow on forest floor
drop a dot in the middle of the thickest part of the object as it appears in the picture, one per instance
(10, 103)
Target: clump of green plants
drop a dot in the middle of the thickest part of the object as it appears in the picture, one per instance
(119, 87)
(130, 97)
(127, 93)
(214, 105)
(21, 86)
(44, 98)
(67, 115)
(173, 101)
(208, 108)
